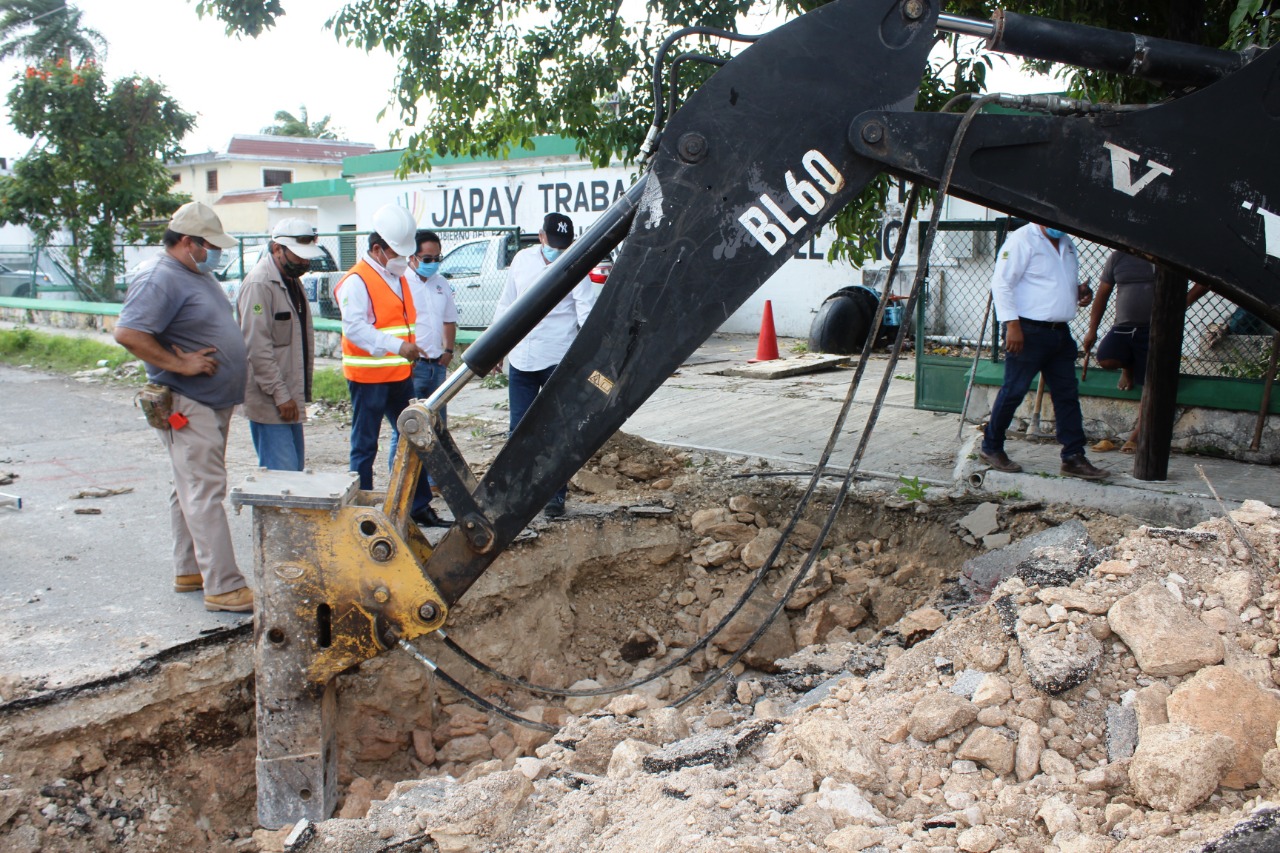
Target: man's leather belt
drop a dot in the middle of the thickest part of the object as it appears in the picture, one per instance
(1045, 324)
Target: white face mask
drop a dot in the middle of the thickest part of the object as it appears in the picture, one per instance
(397, 266)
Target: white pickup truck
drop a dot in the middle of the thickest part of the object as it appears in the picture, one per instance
(316, 284)
(477, 271)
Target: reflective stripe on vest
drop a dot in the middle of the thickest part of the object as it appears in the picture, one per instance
(391, 315)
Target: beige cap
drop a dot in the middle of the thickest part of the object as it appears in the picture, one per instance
(299, 236)
(194, 219)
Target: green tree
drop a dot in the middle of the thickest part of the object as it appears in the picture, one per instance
(287, 124)
(96, 169)
(46, 29)
(481, 77)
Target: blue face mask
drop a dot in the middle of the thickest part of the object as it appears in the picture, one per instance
(1055, 233)
(550, 254)
(428, 270)
(211, 262)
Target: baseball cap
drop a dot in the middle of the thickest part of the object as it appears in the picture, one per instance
(194, 219)
(559, 230)
(299, 236)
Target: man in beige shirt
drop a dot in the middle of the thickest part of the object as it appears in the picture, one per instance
(278, 335)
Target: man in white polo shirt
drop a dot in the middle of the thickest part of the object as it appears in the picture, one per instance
(436, 331)
(1036, 292)
(534, 359)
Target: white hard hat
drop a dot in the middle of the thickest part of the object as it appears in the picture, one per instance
(300, 236)
(398, 227)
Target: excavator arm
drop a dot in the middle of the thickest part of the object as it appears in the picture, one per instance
(780, 138)
(755, 162)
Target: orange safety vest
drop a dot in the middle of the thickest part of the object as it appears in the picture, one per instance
(392, 315)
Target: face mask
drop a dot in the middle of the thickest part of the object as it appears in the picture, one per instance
(428, 270)
(294, 270)
(213, 258)
(397, 266)
(550, 254)
(1055, 233)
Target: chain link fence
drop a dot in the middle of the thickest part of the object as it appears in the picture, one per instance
(47, 272)
(1219, 339)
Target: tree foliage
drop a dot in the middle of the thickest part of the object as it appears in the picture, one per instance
(47, 29)
(287, 124)
(483, 77)
(96, 169)
(242, 17)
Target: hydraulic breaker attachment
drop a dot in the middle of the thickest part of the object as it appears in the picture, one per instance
(337, 583)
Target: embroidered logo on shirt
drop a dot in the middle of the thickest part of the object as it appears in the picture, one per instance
(257, 309)
(1004, 256)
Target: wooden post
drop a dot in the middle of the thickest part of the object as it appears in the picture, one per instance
(1164, 362)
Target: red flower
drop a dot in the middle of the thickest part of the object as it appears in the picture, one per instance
(76, 80)
(31, 72)
(61, 61)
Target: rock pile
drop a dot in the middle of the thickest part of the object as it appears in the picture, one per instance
(1126, 703)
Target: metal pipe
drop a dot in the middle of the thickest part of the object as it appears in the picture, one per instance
(953, 341)
(1146, 57)
(961, 25)
(449, 389)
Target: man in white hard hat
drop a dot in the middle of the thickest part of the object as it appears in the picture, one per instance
(176, 318)
(280, 340)
(379, 346)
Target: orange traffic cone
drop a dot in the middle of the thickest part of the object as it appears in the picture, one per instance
(767, 347)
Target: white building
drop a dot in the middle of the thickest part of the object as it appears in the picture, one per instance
(518, 191)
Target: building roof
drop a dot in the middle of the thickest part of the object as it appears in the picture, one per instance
(246, 196)
(290, 149)
(296, 148)
(389, 160)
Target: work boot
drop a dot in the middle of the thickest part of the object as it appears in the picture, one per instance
(427, 517)
(1079, 466)
(554, 508)
(1000, 461)
(188, 583)
(237, 601)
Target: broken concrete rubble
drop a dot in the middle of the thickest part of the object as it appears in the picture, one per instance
(1003, 764)
(960, 790)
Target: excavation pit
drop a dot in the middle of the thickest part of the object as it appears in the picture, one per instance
(165, 759)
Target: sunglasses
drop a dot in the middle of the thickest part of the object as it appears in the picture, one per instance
(430, 259)
(306, 239)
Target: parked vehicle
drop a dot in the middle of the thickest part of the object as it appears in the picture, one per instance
(316, 284)
(477, 270)
(600, 272)
(16, 282)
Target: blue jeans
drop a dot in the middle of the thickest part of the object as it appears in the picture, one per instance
(371, 403)
(427, 377)
(280, 446)
(522, 387)
(1051, 352)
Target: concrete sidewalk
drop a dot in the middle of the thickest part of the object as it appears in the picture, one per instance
(85, 598)
(789, 422)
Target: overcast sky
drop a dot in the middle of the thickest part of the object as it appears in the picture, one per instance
(235, 86)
